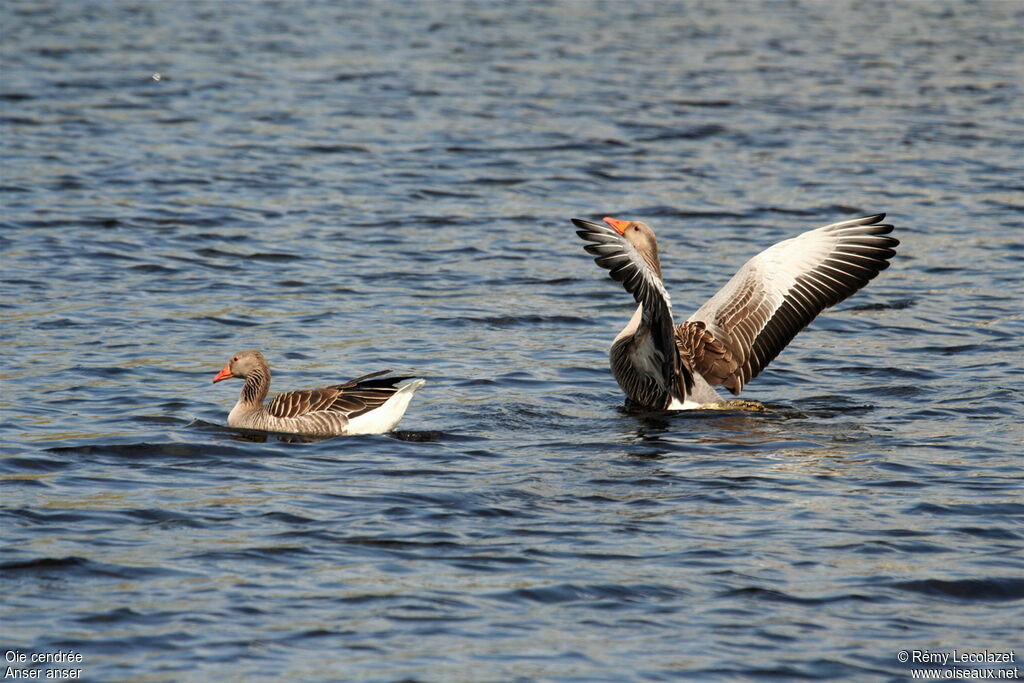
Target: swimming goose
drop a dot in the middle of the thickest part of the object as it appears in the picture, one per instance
(741, 329)
(366, 405)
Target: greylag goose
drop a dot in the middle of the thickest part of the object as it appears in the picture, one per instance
(743, 327)
(370, 404)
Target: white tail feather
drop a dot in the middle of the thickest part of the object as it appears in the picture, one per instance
(384, 418)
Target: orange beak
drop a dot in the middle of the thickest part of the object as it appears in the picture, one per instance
(620, 226)
(223, 374)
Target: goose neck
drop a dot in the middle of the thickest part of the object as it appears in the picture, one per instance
(256, 386)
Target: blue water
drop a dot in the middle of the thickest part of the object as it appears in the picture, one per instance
(358, 186)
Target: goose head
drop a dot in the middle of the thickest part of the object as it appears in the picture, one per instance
(641, 236)
(242, 365)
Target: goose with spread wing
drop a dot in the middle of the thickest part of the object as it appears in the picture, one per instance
(742, 328)
(370, 404)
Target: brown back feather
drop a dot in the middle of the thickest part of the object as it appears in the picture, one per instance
(706, 355)
(352, 398)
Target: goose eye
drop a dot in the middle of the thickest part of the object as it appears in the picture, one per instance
(235, 359)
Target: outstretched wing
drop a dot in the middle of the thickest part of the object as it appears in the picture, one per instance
(353, 398)
(743, 327)
(626, 265)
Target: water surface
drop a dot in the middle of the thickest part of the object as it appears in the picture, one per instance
(357, 186)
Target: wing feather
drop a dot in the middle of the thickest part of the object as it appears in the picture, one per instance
(743, 327)
(299, 403)
(627, 266)
(351, 399)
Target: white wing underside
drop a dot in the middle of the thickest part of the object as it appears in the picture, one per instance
(779, 291)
